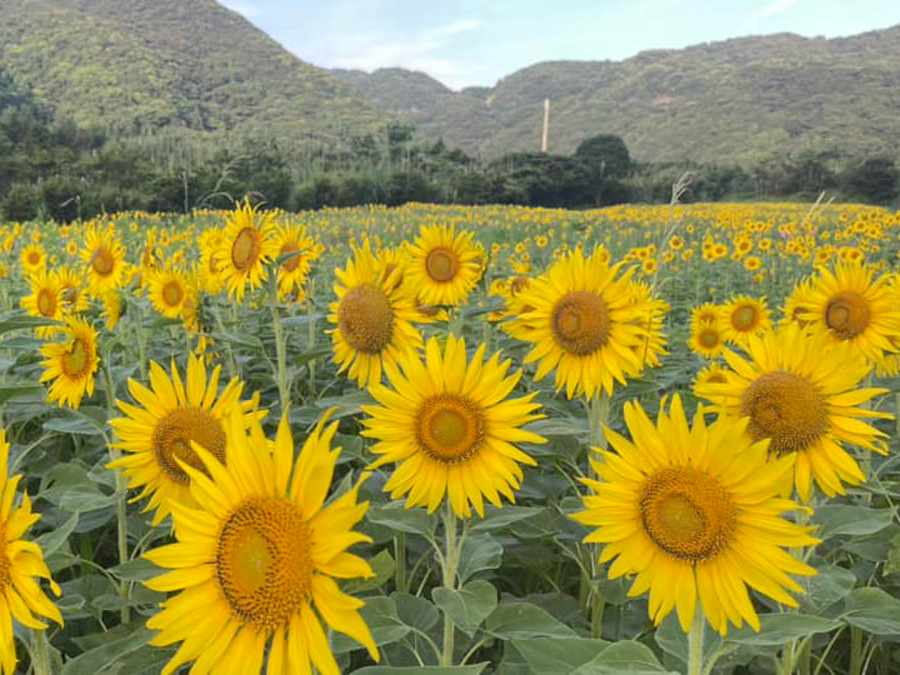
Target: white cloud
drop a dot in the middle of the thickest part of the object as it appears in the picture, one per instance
(414, 53)
(776, 7)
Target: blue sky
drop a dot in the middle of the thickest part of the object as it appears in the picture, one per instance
(476, 42)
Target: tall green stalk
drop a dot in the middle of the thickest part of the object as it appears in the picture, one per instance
(281, 359)
(695, 642)
(449, 566)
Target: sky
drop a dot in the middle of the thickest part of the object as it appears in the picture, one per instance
(477, 42)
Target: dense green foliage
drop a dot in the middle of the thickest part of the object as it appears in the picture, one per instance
(741, 100)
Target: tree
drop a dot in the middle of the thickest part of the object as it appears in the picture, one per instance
(875, 180)
(607, 161)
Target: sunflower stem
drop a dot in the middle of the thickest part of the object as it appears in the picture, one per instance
(695, 642)
(311, 341)
(40, 658)
(281, 357)
(856, 651)
(121, 518)
(450, 563)
(598, 416)
(400, 562)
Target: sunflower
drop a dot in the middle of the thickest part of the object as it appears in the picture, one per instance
(653, 311)
(112, 308)
(800, 391)
(71, 364)
(850, 306)
(245, 248)
(44, 301)
(444, 265)
(20, 562)
(585, 323)
(795, 302)
(168, 290)
(742, 317)
(104, 257)
(450, 428)
(74, 299)
(260, 561)
(211, 242)
(292, 272)
(694, 513)
(706, 338)
(158, 432)
(372, 317)
(33, 259)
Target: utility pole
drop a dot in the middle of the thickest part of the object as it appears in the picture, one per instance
(545, 137)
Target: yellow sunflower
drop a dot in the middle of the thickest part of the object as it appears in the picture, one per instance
(158, 432)
(705, 312)
(20, 563)
(292, 273)
(245, 248)
(444, 265)
(849, 305)
(652, 314)
(71, 364)
(33, 259)
(257, 566)
(71, 289)
(112, 308)
(44, 301)
(168, 290)
(372, 317)
(451, 429)
(104, 256)
(211, 241)
(585, 323)
(706, 338)
(742, 317)
(800, 391)
(694, 514)
(794, 303)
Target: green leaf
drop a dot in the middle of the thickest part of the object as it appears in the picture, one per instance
(85, 498)
(892, 564)
(778, 629)
(626, 656)
(136, 570)
(523, 620)
(479, 552)
(469, 606)
(829, 586)
(383, 565)
(874, 611)
(51, 541)
(23, 321)
(495, 518)
(33, 393)
(380, 615)
(559, 655)
(474, 669)
(416, 611)
(73, 424)
(397, 517)
(94, 660)
(838, 519)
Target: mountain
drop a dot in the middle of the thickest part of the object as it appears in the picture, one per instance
(739, 100)
(135, 66)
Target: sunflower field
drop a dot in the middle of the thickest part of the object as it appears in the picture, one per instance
(452, 441)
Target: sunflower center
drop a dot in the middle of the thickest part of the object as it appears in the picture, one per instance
(442, 264)
(787, 408)
(76, 361)
(687, 513)
(172, 438)
(580, 322)
(70, 296)
(264, 561)
(245, 249)
(34, 257)
(366, 319)
(172, 293)
(449, 428)
(847, 314)
(744, 318)
(291, 264)
(518, 285)
(103, 261)
(708, 338)
(46, 302)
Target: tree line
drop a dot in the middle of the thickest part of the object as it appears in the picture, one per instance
(52, 169)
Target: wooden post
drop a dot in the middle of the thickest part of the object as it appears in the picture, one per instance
(545, 137)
